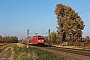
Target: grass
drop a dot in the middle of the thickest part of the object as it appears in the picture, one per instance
(22, 53)
(85, 48)
(82, 48)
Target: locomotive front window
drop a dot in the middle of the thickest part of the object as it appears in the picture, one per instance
(40, 38)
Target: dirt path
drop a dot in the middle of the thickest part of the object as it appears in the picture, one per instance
(6, 54)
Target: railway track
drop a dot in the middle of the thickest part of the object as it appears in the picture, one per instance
(70, 50)
(73, 54)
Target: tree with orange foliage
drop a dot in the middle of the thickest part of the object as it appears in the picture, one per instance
(69, 22)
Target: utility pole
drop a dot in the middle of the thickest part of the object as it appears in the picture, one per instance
(49, 36)
(28, 31)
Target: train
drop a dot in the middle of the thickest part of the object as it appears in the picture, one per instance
(35, 40)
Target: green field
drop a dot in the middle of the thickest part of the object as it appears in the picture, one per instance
(22, 53)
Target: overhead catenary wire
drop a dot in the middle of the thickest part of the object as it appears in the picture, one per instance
(32, 32)
(86, 20)
(87, 17)
(76, 9)
(49, 26)
(83, 5)
(84, 10)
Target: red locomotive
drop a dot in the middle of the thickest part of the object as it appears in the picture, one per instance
(37, 40)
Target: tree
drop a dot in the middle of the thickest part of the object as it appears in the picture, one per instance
(70, 24)
(87, 38)
(13, 39)
(5, 39)
(10, 39)
(1, 39)
(53, 37)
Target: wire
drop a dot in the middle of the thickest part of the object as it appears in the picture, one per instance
(76, 9)
(48, 25)
(47, 28)
(83, 5)
(32, 32)
(84, 10)
(87, 20)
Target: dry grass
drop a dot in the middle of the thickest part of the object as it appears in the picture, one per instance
(20, 45)
(22, 53)
(75, 47)
(34, 56)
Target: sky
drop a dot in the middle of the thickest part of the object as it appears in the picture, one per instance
(16, 16)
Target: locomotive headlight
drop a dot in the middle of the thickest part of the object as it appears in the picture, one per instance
(38, 40)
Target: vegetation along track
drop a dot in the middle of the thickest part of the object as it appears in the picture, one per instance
(3, 44)
(70, 50)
